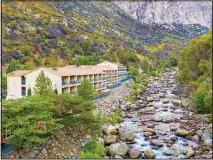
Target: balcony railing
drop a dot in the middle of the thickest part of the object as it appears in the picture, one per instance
(100, 87)
(122, 75)
(70, 83)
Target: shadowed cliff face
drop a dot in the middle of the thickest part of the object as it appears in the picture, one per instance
(169, 12)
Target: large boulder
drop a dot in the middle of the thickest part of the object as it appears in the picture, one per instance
(157, 119)
(148, 153)
(109, 139)
(135, 153)
(176, 102)
(110, 130)
(182, 132)
(118, 148)
(127, 136)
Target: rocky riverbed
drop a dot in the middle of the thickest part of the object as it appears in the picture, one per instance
(158, 125)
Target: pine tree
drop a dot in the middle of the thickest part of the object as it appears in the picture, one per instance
(29, 92)
(43, 85)
(86, 90)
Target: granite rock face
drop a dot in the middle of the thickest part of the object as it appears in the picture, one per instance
(188, 12)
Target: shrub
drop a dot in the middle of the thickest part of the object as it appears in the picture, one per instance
(136, 86)
(113, 118)
(134, 93)
(202, 101)
(88, 155)
(93, 149)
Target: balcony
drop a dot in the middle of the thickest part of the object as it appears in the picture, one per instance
(70, 83)
(100, 87)
(23, 82)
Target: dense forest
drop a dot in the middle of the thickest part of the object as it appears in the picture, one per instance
(195, 71)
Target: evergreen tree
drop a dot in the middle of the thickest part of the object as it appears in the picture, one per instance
(86, 90)
(43, 85)
(56, 91)
(29, 92)
(13, 66)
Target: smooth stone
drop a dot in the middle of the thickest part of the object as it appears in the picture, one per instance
(196, 139)
(118, 148)
(182, 132)
(135, 153)
(148, 153)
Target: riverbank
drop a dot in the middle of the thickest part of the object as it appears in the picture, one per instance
(159, 125)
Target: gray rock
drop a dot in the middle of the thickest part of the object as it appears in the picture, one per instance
(118, 148)
(110, 130)
(161, 95)
(196, 139)
(199, 132)
(148, 153)
(44, 151)
(110, 139)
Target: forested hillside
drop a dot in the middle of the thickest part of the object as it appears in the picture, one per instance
(195, 64)
(53, 34)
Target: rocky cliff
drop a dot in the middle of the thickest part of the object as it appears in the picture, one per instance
(182, 12)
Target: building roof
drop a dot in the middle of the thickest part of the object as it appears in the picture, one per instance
(101, 68)
(73, 71)
(18, 73)
(108, 64)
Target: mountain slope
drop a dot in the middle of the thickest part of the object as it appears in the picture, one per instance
(181, 12)
(56, 33)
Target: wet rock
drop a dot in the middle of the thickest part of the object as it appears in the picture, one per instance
(167, 153)
(176, 102)
(169, 141)
(190, 153)
(150, 125)
(148, 153)
(196, 139)
(147, 110)
(165, 101)
(147, 134)
(110, 130)
(118, 157)
(166, 120)
(135, 153)
(173, 128)
(133, 106)
(118, 148)
(208, 142)
(161, 95)
(185, 104)
(199, 132)
(150, 99)
(182, 132)
(156, 143)
(110, 139)
(173, 138)
(157, 119)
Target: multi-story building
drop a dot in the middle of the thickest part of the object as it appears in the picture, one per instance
(63, 79)
(121, 69)
(66, 79)
(122, 72)
(110, 74)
